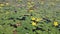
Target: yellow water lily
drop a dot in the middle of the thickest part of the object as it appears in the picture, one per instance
(55, 23)
(7, 3)
(31, 10)
(38, 19)
(1, 4)
(32, 18)
(34, 24)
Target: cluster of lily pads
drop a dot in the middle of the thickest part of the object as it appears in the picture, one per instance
(30, 17)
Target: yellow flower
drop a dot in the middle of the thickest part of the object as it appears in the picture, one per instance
(38, 19)
(55, 24)
(32, 18)
(1, 4)
(7, 3)
(31, 10)
(34, 24)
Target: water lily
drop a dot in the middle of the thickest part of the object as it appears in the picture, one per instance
(32, 18)
(34, 24)
(7, 3)
(55, 23)
(1, 4)
(38, 19)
